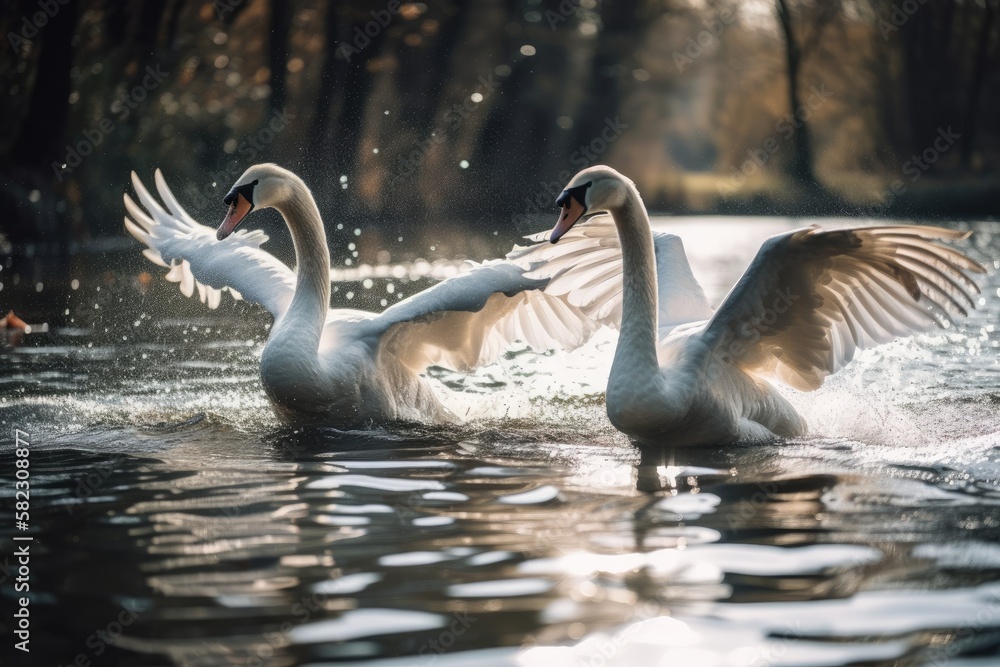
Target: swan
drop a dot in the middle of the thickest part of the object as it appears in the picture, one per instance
(341, 365)
(684, 374)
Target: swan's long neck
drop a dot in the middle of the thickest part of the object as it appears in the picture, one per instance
(635, 356)
(311, 302)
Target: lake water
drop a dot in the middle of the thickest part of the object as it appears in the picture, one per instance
(176, 522)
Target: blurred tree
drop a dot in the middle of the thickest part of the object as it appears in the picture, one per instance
(354, 95)
(797, 49)
(978, 79)
(396, 102)
(280, 20)
(945, 50)
(42, 131)
(332, 73)
(611, 66)
(40, 141)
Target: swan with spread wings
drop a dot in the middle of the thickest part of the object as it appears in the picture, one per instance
(341, 365)
(687, 374)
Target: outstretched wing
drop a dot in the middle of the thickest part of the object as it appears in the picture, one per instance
(200, 262)
(585, 268)
(469, 319)
(812, 298)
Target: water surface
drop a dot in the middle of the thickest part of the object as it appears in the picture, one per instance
(176, 522)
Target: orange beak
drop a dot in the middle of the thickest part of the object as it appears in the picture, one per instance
(572, 211)
(234, 216)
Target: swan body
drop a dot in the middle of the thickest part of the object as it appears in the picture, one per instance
(343, 365)
(684, 374)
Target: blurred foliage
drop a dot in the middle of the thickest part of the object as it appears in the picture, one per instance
(411, 116)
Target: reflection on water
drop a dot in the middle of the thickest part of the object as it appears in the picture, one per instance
(177, 523)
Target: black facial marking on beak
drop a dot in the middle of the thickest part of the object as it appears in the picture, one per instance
(573, 208)
(246, 190)
(240, 203)
(578, 193)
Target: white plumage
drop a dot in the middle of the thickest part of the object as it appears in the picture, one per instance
(347, 365)
(684, 374)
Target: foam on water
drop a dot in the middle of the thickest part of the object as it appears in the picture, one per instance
(532, 533)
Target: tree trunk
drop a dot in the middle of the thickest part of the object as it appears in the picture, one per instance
(620, 24)
(332, 76)
(451, 29)
(976, 86)
(357, 87)
(801, 166)
(281, 22)
(41, 136)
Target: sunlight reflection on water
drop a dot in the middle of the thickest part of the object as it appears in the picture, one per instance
(532, 534)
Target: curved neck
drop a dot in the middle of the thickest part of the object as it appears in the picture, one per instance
(311, 302)
(637, 342)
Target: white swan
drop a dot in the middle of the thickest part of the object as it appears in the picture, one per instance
(345, 365)
(684, 374)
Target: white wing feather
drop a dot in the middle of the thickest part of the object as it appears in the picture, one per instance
(847, 290)
(469, 319)
(585, 268)
(200, 262)
(812, 297)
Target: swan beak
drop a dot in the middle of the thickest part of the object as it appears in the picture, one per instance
(572, 211)
(238, 209)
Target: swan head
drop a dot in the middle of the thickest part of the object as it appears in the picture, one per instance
(597, 189)
(260, 186)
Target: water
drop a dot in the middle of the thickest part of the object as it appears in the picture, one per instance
(177, 523)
